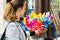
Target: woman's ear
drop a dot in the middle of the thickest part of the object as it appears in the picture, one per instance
(19, 9)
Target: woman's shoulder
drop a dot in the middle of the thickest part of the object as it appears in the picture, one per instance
(11, 24)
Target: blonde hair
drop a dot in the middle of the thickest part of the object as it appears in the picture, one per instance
(9, 14)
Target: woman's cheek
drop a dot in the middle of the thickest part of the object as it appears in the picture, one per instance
(23, 12)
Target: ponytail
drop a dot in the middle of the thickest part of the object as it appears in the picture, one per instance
(9, 14)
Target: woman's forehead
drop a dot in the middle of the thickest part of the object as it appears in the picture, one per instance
(25, 4)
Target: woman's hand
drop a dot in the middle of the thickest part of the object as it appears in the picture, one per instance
(43, 30)
(39, 33)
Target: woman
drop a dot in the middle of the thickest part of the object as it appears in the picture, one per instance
(14, 10)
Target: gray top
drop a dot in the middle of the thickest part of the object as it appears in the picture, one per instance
(14, 32)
